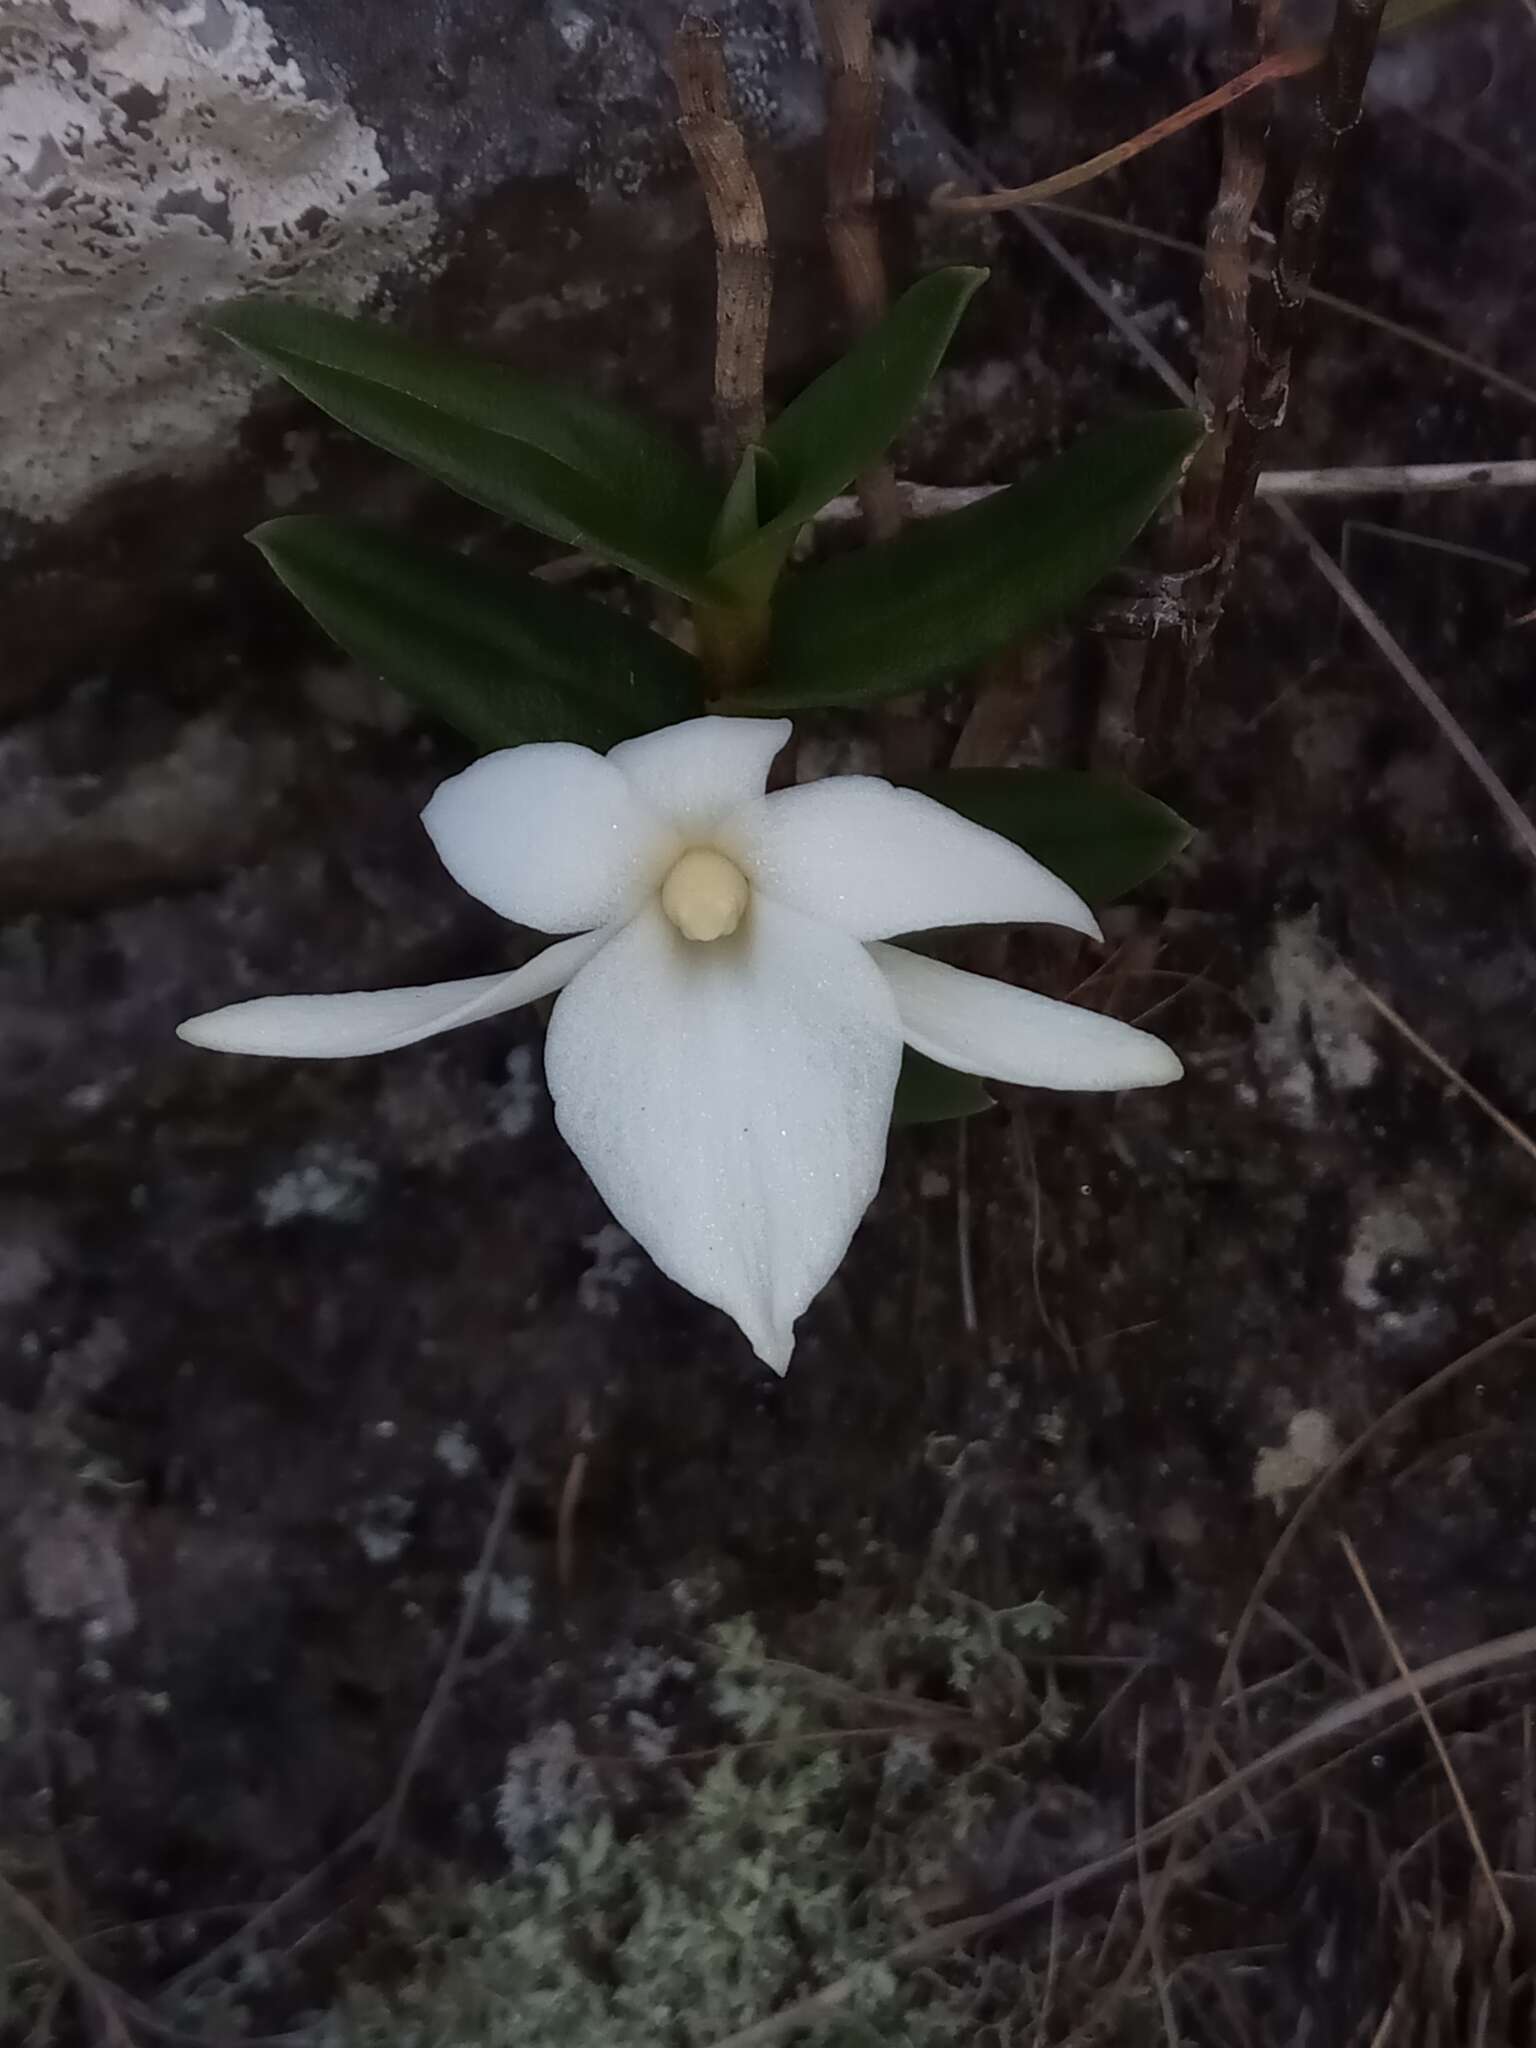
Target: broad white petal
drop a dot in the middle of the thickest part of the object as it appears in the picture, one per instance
(378, 1020)
(731, 1102)
(1011, 1034)
(550, 835)
(875, 860)
(697, 772)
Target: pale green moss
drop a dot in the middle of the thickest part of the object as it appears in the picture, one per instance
(786, 1866)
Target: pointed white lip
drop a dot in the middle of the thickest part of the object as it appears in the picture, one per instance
(731, 1103)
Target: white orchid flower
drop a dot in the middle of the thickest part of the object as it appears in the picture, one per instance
(725, 1048)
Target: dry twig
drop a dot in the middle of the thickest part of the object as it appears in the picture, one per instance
(1366, 480)
(94, 1990)
(1432, 1729)
(447, 1678)
(1520, 826)
(1224, 362)
(743, 267)
(1350, 309)
(1443, 1067)
(853, 233)
(1326, 1727)
(1280, 300)
(1268, 71)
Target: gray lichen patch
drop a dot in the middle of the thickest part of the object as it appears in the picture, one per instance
(153, 162)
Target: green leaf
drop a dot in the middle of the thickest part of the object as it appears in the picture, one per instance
(503, 657)
(740, 518)
(581, 471)
(847, 419)
(930, 1094)
(1101, 837)
(949, 591)
(1400, 15)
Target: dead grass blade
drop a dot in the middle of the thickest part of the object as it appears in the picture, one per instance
(1269, 70)
(1431, 1727)
(1458, 1084)
(1350, 309)
(954, 1934)
(1520, 826)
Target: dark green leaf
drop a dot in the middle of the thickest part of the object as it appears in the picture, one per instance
(951, 590)
(573, 468)
(1102, 837)
(503, 657)
(930, 1094)
(846, 420)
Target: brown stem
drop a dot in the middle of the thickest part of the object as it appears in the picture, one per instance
(1169, 682)
(1280, 299)
(853, 233)
(743, 267)
(1246, 381)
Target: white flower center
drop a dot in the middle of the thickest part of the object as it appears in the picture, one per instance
(705, 895)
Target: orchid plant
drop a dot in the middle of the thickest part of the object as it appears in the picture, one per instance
(734, 1030)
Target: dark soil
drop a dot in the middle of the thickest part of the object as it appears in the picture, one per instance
(276, 1336)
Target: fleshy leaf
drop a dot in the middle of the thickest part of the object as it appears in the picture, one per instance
(850, 415)
(503, 657)
(581, 471)
(927, 1093)
(1101, 837)
(949, 591)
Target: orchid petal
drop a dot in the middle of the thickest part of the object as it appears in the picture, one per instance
(378, 1020)
(875, 860)
(1011, 1034)
(550, 835)
(694, 774)
(731, 1103)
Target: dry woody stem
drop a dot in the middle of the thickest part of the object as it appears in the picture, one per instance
(1280, 298)
(743, 267)
(1245, 381)
(853, 233)
(1224, 304)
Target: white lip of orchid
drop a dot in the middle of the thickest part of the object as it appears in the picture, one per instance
(730, 1102)
(705, 895)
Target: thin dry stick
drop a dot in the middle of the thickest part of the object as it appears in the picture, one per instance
(853, 233)
(571, 1490)
(1336, 1721)
(1443, 351)
(432, 1713)
(968, 1315)
(1281, 1549)
(1269, 71)
(1367, 480)
(1224, 287)
(1280, 302)
(1521, 828)
(1149, 1914)
(1405, 536)
(743, 267)
(93, 1989)
(1433, 1731)
(1402, 479)
(1443, 1067)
